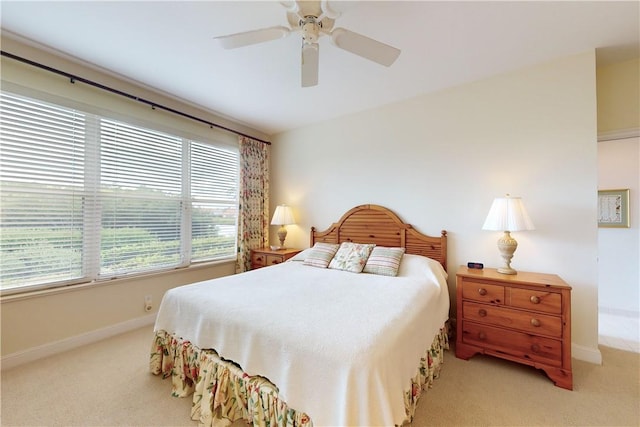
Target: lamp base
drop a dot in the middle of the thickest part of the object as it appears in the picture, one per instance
(282, 234)
(507, 245)
(507, 270)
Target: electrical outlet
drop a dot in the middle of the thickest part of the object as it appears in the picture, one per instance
(148, 303)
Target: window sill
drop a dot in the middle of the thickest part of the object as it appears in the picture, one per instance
(35, 293)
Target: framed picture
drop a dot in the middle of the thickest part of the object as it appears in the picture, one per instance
(613, 208)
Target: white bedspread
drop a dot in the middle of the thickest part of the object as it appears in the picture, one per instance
(340, 346)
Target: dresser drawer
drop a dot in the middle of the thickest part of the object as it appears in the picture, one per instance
(264, 260)
(258, 260)
(535, 323)
(264, 257)
(274, 259)
(482, 292)
(549, 302)
(522, 345)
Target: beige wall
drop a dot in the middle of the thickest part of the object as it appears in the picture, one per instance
(438, 161)
(47, 318)
(117, 106)
(618, 92)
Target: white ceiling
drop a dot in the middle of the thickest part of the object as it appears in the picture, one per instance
(169, 46)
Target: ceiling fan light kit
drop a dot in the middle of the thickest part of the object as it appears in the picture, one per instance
(314, 19)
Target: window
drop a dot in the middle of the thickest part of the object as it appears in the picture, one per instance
(85, 197)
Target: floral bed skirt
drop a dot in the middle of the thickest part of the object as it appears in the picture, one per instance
(223, 393)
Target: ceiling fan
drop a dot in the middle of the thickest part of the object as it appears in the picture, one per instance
(314, 19)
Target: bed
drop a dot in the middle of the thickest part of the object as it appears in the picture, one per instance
(297, 344)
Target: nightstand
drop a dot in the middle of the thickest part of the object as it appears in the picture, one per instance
(525, 318)
(265, 257)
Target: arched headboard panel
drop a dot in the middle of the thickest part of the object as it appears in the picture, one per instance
(377, 224)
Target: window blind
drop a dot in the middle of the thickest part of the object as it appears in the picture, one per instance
(42, 191)
(140, 192)
(214, 201)
(86, 197)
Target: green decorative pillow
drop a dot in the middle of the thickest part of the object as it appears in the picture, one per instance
(384, 261)
(351, 257)
(321, 254)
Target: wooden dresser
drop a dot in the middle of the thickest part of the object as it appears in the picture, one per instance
(525, 318)
(265, 257)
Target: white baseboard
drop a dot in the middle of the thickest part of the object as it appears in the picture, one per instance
(618, 134)
(587, 354)
(21, 357)
(621, 312)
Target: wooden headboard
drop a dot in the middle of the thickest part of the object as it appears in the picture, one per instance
(377, 224)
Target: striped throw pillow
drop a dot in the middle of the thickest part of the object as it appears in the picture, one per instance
(384, 261)
(321, 254)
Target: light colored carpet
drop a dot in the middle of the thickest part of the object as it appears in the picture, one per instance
(108, 384)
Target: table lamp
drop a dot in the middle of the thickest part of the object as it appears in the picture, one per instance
(507, 214)
(282, 216)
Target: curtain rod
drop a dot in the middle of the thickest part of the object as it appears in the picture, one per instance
(73, 78)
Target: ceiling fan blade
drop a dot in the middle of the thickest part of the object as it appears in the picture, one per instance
(365, 47)
(310, 54)
(247, 38)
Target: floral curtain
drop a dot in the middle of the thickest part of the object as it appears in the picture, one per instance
(253, 215)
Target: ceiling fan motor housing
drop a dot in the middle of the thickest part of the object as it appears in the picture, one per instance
(310, 29)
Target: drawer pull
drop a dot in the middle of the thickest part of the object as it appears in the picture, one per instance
(482, 291)
(535, 348)
(535, 322)
(275, 261)
(482, 312)
(482, 336)
(535, 300)
(258, 258)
